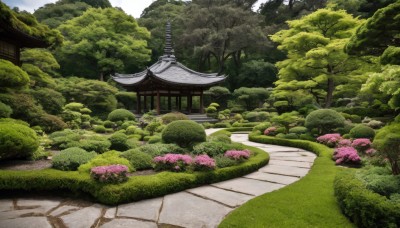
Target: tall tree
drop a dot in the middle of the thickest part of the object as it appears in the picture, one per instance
(101, 42)
(220, 30)
(316, 61)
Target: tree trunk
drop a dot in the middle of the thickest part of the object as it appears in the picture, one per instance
(395, 168)
(101, 77)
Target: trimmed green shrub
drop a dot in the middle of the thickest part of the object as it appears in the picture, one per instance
(130, 130)
(17, 141)
(74, 106)
(262, 126)
(133, 142)
(128, 124)
(210, 148)
(298, 130)
(128, 99)
(5, 110)
(99, 129)
(155, 139)
(364, 207)
(51, 100)
(387, 141)
(161, 149)
(173, 116)
(362, 131)
(325, 120)
(257, 116)
(50, 123)
(222, 125)
(121, 115)
(109, 124)
(118, 141)
(184, 133)
(108, 158)
(14, 121)
(291, 136)
(380, 180)
(11, 76)
(307, 137)
(250, 124)
(219, 138)
(99, 145)
(138, 159)
(223, 161)
(70, 159)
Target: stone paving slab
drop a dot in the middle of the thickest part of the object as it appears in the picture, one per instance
(41, 206)
(125, 223)
(297, 158)
(31, 222)
(290, 154)
(6, 205)
(232, 199)
(280, 179)
(285, 170)
(248, 186)
(83, 218)
(145, 209)
(291, 163)
(186, 210)
(19, 213)
(110, 213)
(63, 209)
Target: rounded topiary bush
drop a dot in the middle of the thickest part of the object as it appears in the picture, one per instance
(121, 115)
(17, 141)
(72, 158)
(362, 131)
(210, 148)
(108, 158)
(118, 141)
(12, 76)
(325, 120)
(183, 133)
(173, 116)
(298, 130)
(5, 110)
(138, 159)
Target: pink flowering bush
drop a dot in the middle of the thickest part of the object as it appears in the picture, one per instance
(370, 151)
(238, 155)
(346, 155)
(362, 145)
(173, 162)
(344, 143)
(110, 174)
(271, 131)
(329, 139)
(203, 163)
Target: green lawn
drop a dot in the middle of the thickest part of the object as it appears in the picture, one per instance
(309, 202)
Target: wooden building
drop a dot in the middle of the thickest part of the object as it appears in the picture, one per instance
(169, 80)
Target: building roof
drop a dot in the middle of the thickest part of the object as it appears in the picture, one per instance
(169, 71)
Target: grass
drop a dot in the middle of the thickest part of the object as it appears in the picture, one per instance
(309, 202)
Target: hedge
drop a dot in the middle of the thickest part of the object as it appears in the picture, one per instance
(364, 207)
(135, 189)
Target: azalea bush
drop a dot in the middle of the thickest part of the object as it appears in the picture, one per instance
(173, 162)
(346, 155)
(362, 145)
(329, 139)
(238, 155)
(344, 143)
(203, 163)
(271, 131)
(112, 174)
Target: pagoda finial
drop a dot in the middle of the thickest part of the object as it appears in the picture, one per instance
(168, 49)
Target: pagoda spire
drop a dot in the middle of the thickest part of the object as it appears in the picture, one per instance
(168, 49)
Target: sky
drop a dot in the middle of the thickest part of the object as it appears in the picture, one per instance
(131, 7)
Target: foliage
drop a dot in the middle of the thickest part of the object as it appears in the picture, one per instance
(5, 110)
(108, 158)
(325, 120)
(387, 142)
(153, 126)
(252, 98)
(50, 123)
(316, 63)
(172, 162)
(121, 115)
(362, 131)
(238, 155)
(138, 159)
(257, 116)
(119, 141)
(99, 129)
(43, 59)
(184, 133)
(173, 116)
(160, 149)
(271, 131)
(212, 149)
(203, 163)
(128, 99)
(17, 141)
(102, 41)
(51, 100)
(257, 73)
(219, 138)
(364, 207)
(262, 126)
(96, 95)
(27, 23)
(330, 140)
(219, 95)
(111, 174)
(287, 119)
(12, 76)
(37, 78)
(71, 158)
(298, 130)
(223, 161)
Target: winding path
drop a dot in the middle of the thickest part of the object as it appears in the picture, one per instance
(204, 206)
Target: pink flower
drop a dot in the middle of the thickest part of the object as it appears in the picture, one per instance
(344, 143)
(270, 131)
(110, 174)
(346, 155)
(204, 161)
(173, 162)
(237, 154)
(329, 139)
(370, 151)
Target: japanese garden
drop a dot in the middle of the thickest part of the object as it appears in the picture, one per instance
(201, 113)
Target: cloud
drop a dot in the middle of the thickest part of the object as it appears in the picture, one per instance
(132, 7)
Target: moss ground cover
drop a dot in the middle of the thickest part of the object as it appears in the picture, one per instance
(309, 202)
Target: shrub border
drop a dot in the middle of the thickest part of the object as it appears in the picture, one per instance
(136, 188)
(364, 207)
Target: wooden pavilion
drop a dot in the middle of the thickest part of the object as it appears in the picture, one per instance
(169, 79)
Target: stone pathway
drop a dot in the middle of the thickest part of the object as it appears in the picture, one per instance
(204, 206)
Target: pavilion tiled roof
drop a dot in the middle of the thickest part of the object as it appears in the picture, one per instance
(169, 71)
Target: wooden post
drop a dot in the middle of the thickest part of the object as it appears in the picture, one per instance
(169, 102)
(180, 103)
(145, 103)
(176, 103)
(152, 102)
(201, 103)
(190, 103)
(158, 103)
(138, 103)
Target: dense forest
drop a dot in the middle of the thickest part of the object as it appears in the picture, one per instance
(300, 54)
